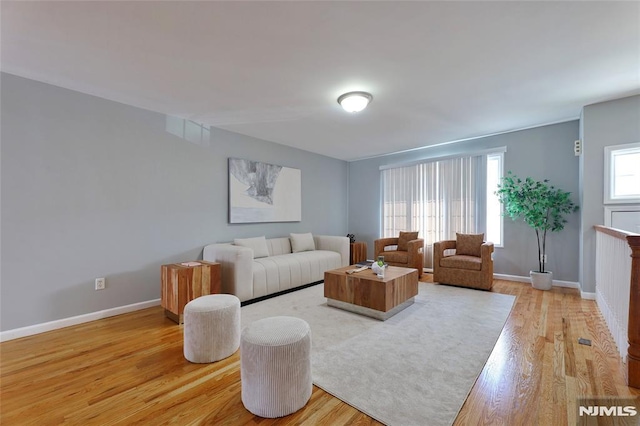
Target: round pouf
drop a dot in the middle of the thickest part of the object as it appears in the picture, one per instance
(275, 366)
(211, 327)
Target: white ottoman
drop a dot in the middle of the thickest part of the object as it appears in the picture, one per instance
(211, 327)
(275, 366)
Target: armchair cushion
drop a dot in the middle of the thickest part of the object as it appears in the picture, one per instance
(462, 262)
(469, 244)
(396, 256)
(404, 238)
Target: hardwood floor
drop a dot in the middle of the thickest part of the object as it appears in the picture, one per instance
(130, 369)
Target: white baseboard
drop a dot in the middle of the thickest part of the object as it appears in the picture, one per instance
(556, 283)
(67, 322)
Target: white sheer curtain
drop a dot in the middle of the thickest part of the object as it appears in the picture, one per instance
(437, 198)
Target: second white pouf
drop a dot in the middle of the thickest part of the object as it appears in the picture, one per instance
(275, 366)
(211, 327)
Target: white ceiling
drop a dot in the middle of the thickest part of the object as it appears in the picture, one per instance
(438, 71)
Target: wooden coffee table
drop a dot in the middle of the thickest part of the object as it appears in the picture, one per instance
(366, 294)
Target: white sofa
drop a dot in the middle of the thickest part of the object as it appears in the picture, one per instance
(250, 270)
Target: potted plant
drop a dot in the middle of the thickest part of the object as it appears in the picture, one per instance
(543, 207)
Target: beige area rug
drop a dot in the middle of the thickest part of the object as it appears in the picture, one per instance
(416, 368)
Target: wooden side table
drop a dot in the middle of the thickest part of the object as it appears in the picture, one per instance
(357, 252)
(182, 283)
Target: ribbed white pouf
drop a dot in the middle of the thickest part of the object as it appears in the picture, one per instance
(275, 366)
(211, 327)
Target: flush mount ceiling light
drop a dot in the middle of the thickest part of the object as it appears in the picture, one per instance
(355, 101)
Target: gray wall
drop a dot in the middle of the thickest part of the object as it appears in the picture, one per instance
(94, 188)
(542, 152)
(604, 124)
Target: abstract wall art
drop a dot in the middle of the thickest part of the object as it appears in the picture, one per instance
(262, 192)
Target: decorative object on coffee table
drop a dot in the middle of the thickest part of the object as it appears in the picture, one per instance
(183, 282)
(378, 267)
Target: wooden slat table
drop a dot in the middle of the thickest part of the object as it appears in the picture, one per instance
(364, 293)
(357, 252)
(181, 284)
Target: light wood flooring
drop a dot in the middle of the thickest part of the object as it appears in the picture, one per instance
(129, 369)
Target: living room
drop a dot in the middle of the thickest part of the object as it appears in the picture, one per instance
(93, 186)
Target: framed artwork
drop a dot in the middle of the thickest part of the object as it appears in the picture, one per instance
(262, 192)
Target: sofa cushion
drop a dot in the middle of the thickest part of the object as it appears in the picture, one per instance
(471, 263)
(279, 246)
(469, 244)
(302, 242)
(404, 238)
(257, 244)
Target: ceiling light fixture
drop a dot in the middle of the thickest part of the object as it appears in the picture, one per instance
(355, 101)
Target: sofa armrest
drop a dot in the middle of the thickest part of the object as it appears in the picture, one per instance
(334, 243)
(236, 268)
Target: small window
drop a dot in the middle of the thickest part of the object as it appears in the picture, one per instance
(494, 207)
(622, 173)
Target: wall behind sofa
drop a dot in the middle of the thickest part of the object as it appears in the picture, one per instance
(94, 188)
(541, 152)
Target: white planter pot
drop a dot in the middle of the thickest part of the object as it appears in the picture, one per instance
(541, 280)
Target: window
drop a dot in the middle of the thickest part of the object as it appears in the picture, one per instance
(443, 196)
(438, 198)
(622, 174)
(494, 207)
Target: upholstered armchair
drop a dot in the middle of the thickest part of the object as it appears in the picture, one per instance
(470, 266)
(408, 251)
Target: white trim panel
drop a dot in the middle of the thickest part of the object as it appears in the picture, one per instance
(518, 278)
(80, 319)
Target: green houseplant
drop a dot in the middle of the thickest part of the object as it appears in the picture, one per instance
(543, 207)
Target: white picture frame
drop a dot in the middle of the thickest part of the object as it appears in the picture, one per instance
(262, 192)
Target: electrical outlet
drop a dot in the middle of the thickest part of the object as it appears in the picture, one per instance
(100, 283)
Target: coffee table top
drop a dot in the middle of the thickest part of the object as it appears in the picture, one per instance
(390, 273)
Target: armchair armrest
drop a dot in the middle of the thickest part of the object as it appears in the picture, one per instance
(415, 250)
(236, 268)
(334, 243)
(381, 243)
(438, 251)
(443, 245)
(485, 253)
